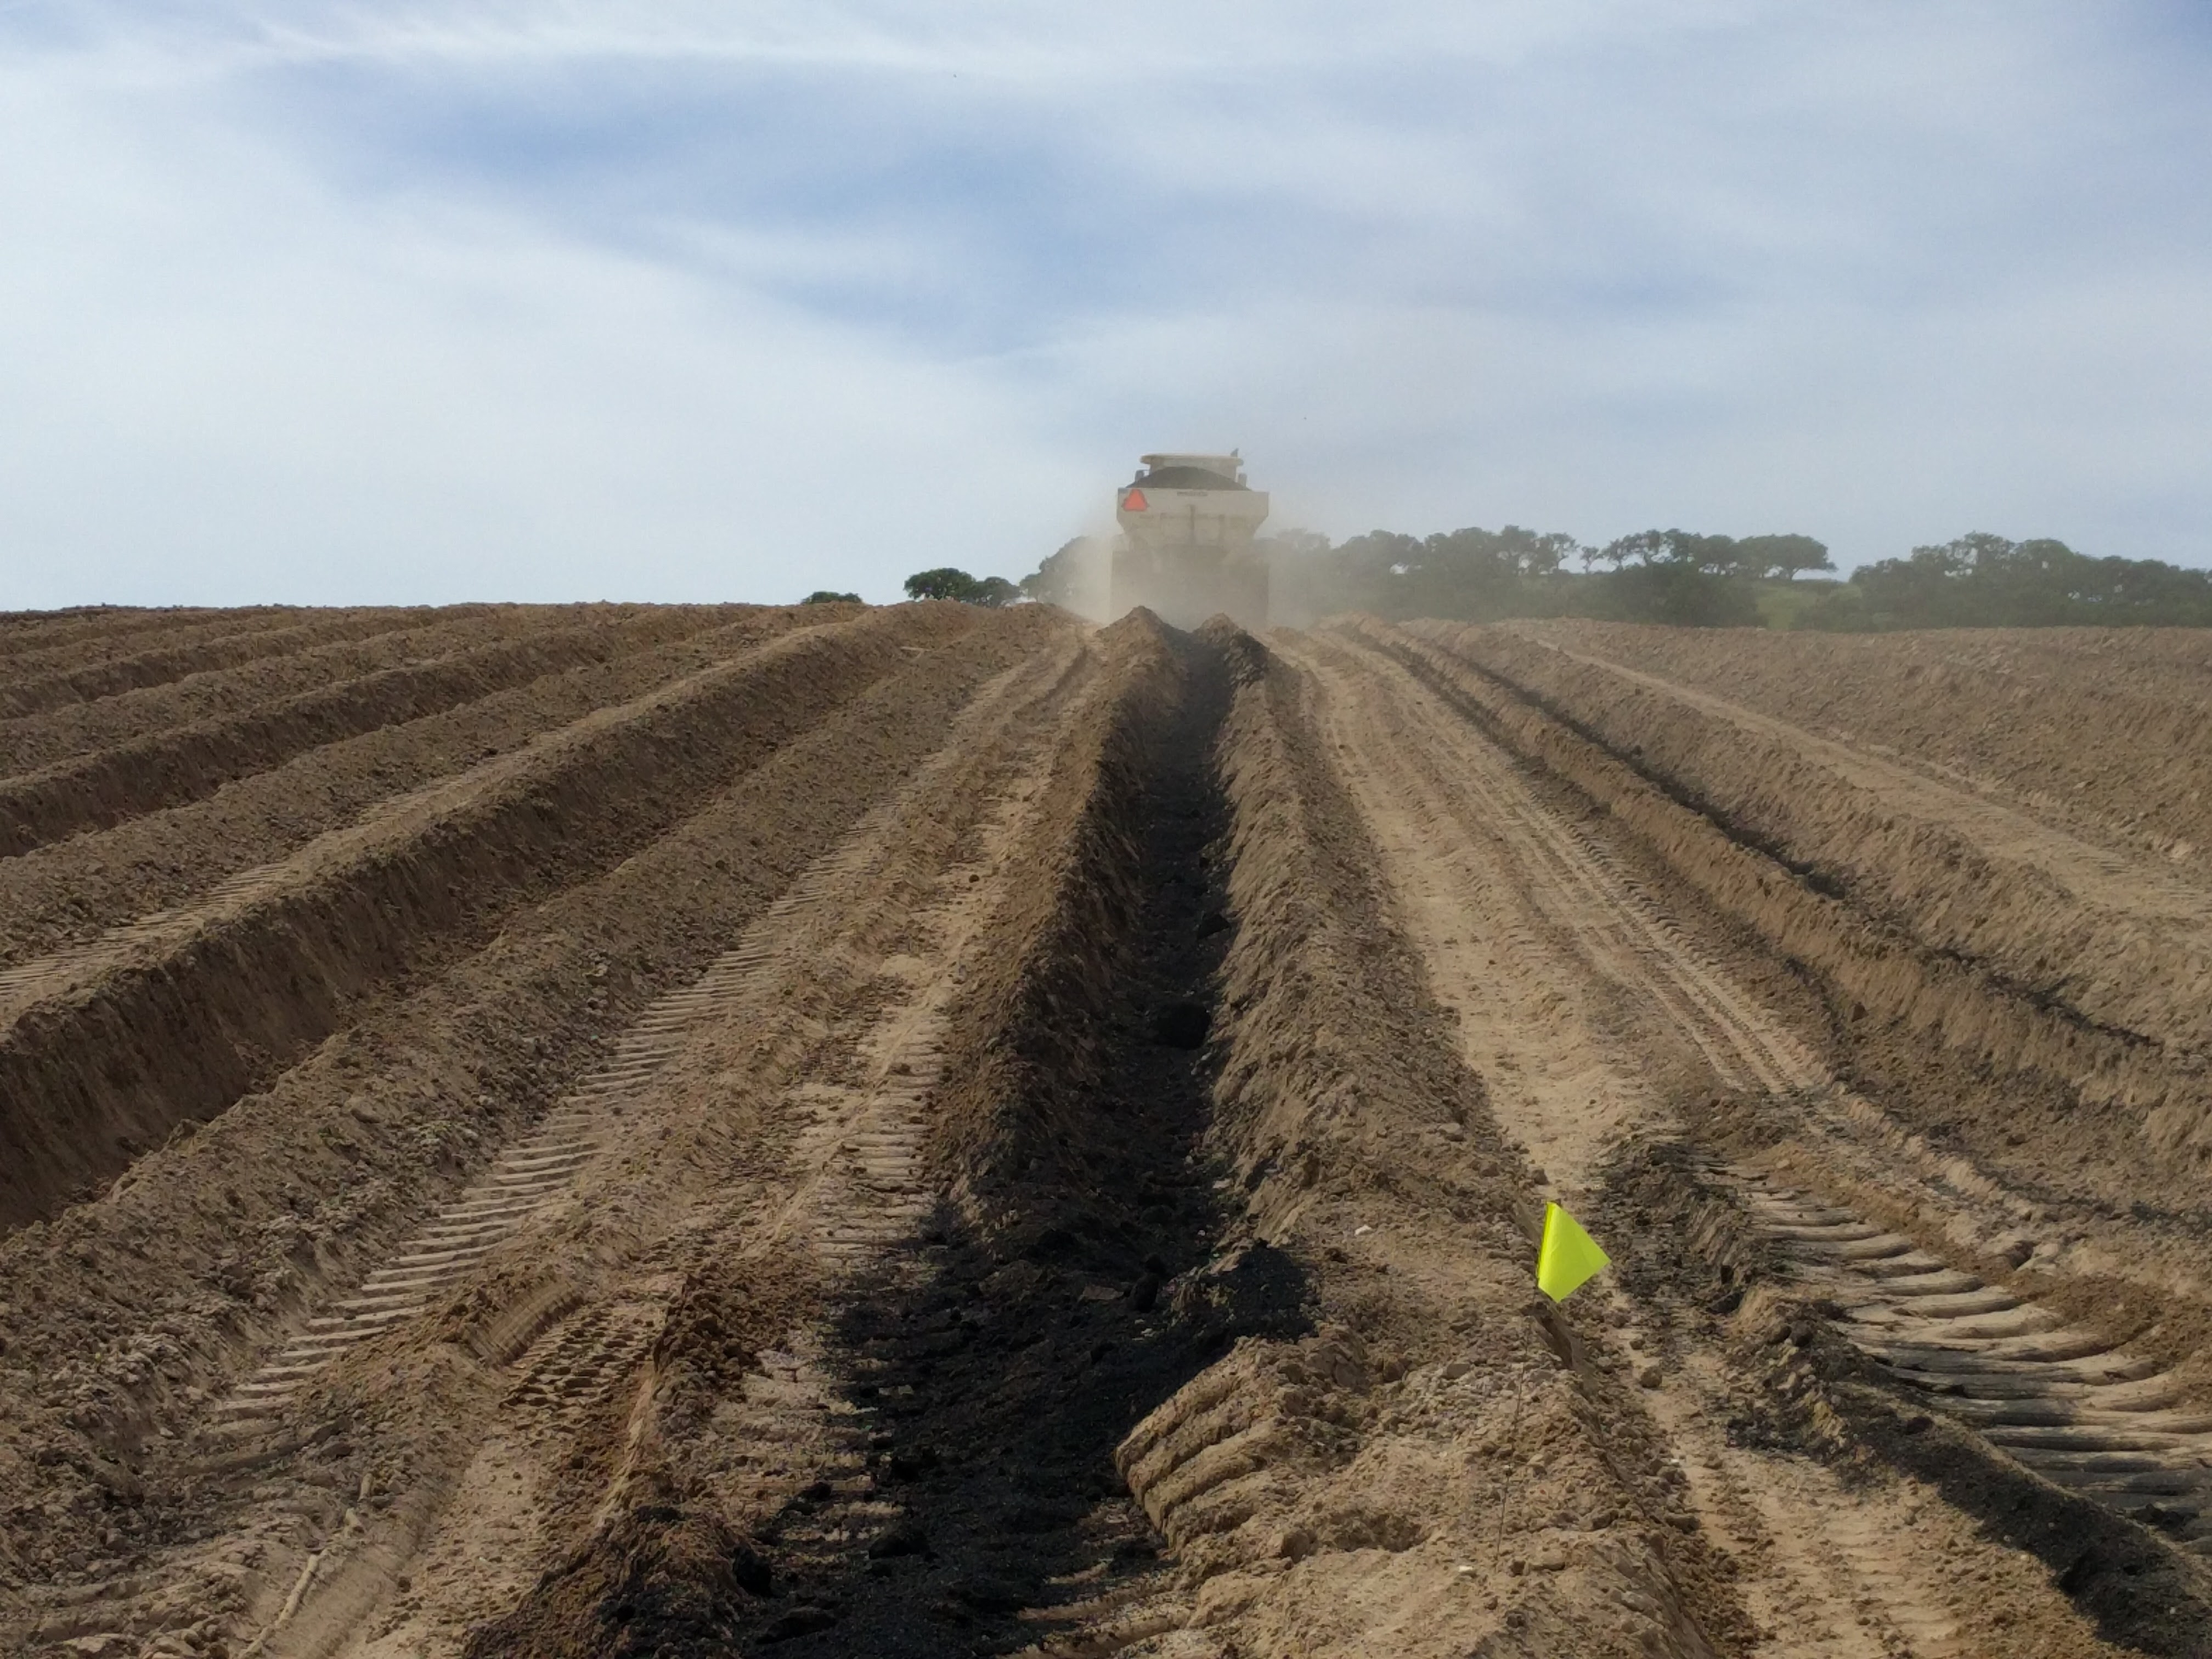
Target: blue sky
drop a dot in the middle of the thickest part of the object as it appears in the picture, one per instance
(435, 302)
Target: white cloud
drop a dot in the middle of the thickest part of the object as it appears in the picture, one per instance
(239, 387)
(535, 300)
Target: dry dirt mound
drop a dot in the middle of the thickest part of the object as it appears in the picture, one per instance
(924, 1131)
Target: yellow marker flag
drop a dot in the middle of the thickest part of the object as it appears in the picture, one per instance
(1567, 1256)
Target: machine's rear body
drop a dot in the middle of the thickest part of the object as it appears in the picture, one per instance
(1186, 552)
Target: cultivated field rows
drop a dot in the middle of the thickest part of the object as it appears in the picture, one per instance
(619, 1129)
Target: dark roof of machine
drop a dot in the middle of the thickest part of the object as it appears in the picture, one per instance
(1186, 477)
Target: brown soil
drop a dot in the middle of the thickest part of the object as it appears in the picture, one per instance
(629, 1130)
(2099, 730)
(22, 631)
(171, 736)
(43, 677)
(70, 891)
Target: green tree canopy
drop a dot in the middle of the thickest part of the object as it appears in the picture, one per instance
(1754, 556)
(947, 583)
(1691, 578)
(1984, 581)
(1785, 556)
(943, 583)
(1458, 573)
(1680, 593)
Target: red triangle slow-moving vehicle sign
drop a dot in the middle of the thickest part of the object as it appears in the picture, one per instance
(1133, 502)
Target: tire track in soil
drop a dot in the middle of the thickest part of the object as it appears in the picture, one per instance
(1827, 1567)
(882, 1526)
(851, 1190)
(568, 1360)
(209, 1242)
(1829, 1552)
(427, 1266)
(174, 1004)
(2064, 1400)
(1435, 794)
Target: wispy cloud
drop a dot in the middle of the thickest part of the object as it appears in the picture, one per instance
(671, 300)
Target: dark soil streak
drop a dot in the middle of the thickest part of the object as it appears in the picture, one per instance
(995, 1397)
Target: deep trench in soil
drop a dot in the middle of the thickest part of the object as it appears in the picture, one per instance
(992, 1400)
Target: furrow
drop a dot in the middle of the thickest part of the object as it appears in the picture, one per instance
(65, 893)
(171, 768)
(100, 631)
(576, 1359)
(1973, 1350)
(1984, 934)
(65, 680)
(186, 1012)
(94, 766)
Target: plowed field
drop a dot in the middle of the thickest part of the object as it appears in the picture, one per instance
(625, 1130)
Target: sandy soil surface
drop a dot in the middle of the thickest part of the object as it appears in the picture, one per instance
(579, 1131)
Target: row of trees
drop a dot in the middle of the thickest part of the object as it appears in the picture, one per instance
(1983, 581)
(1778, 558)
(946, 583)
(1979, 580)
(1655, 575)
(1675, 576)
